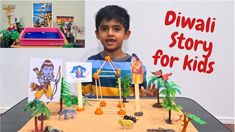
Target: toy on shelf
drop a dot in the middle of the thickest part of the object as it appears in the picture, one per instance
(10, 11)
(18, 24)
(169, 90)
(67, 113)
(125, 84)
(97, 76)
(8, 37)
(40, 112)
(41, 37)
(137, 78)
(189, 117)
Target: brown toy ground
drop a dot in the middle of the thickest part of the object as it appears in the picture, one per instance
(87, 121)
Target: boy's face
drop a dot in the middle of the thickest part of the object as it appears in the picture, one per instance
(112, 34)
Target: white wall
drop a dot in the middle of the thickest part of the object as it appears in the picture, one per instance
(215, 91)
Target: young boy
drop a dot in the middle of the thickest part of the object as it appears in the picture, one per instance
(112, 28)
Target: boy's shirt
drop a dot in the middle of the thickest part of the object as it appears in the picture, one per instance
(109, 84)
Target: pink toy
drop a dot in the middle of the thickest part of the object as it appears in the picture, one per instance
(41, 37)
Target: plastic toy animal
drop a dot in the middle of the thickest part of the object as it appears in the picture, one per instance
(52, 129)
(68, 113)
(129, 117)
(126, 123)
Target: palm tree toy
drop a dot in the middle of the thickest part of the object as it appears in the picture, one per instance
(156, 80)
(40, 112)
(168, 90)
(189, 117)
(125, 84)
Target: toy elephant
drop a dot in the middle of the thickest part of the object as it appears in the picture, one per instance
(67, 113)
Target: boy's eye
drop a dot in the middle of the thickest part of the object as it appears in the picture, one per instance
(117, 29)
(103, 28)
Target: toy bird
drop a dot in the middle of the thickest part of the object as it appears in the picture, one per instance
(159, 74)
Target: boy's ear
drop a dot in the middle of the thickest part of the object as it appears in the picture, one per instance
(97, 34)
(127, 34)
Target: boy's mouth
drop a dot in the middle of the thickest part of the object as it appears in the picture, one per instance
(110, 41)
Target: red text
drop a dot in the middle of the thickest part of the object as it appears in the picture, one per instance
(189, 44)
(207, 25)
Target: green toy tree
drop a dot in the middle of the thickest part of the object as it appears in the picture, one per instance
(189, 117)
(40, 112)
(125, 85)
(169, 90)
(8, 37)
(66, 95)
(69, 45)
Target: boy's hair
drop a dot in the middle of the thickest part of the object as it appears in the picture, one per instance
(113, 12)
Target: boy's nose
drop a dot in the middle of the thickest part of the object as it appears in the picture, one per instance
(110, 32)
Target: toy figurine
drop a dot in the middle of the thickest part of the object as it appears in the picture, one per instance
(67, 112)
(137, 78)
(126, 123)
(137, 70)
(52, 129)
(129, 117)
(67, 31)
